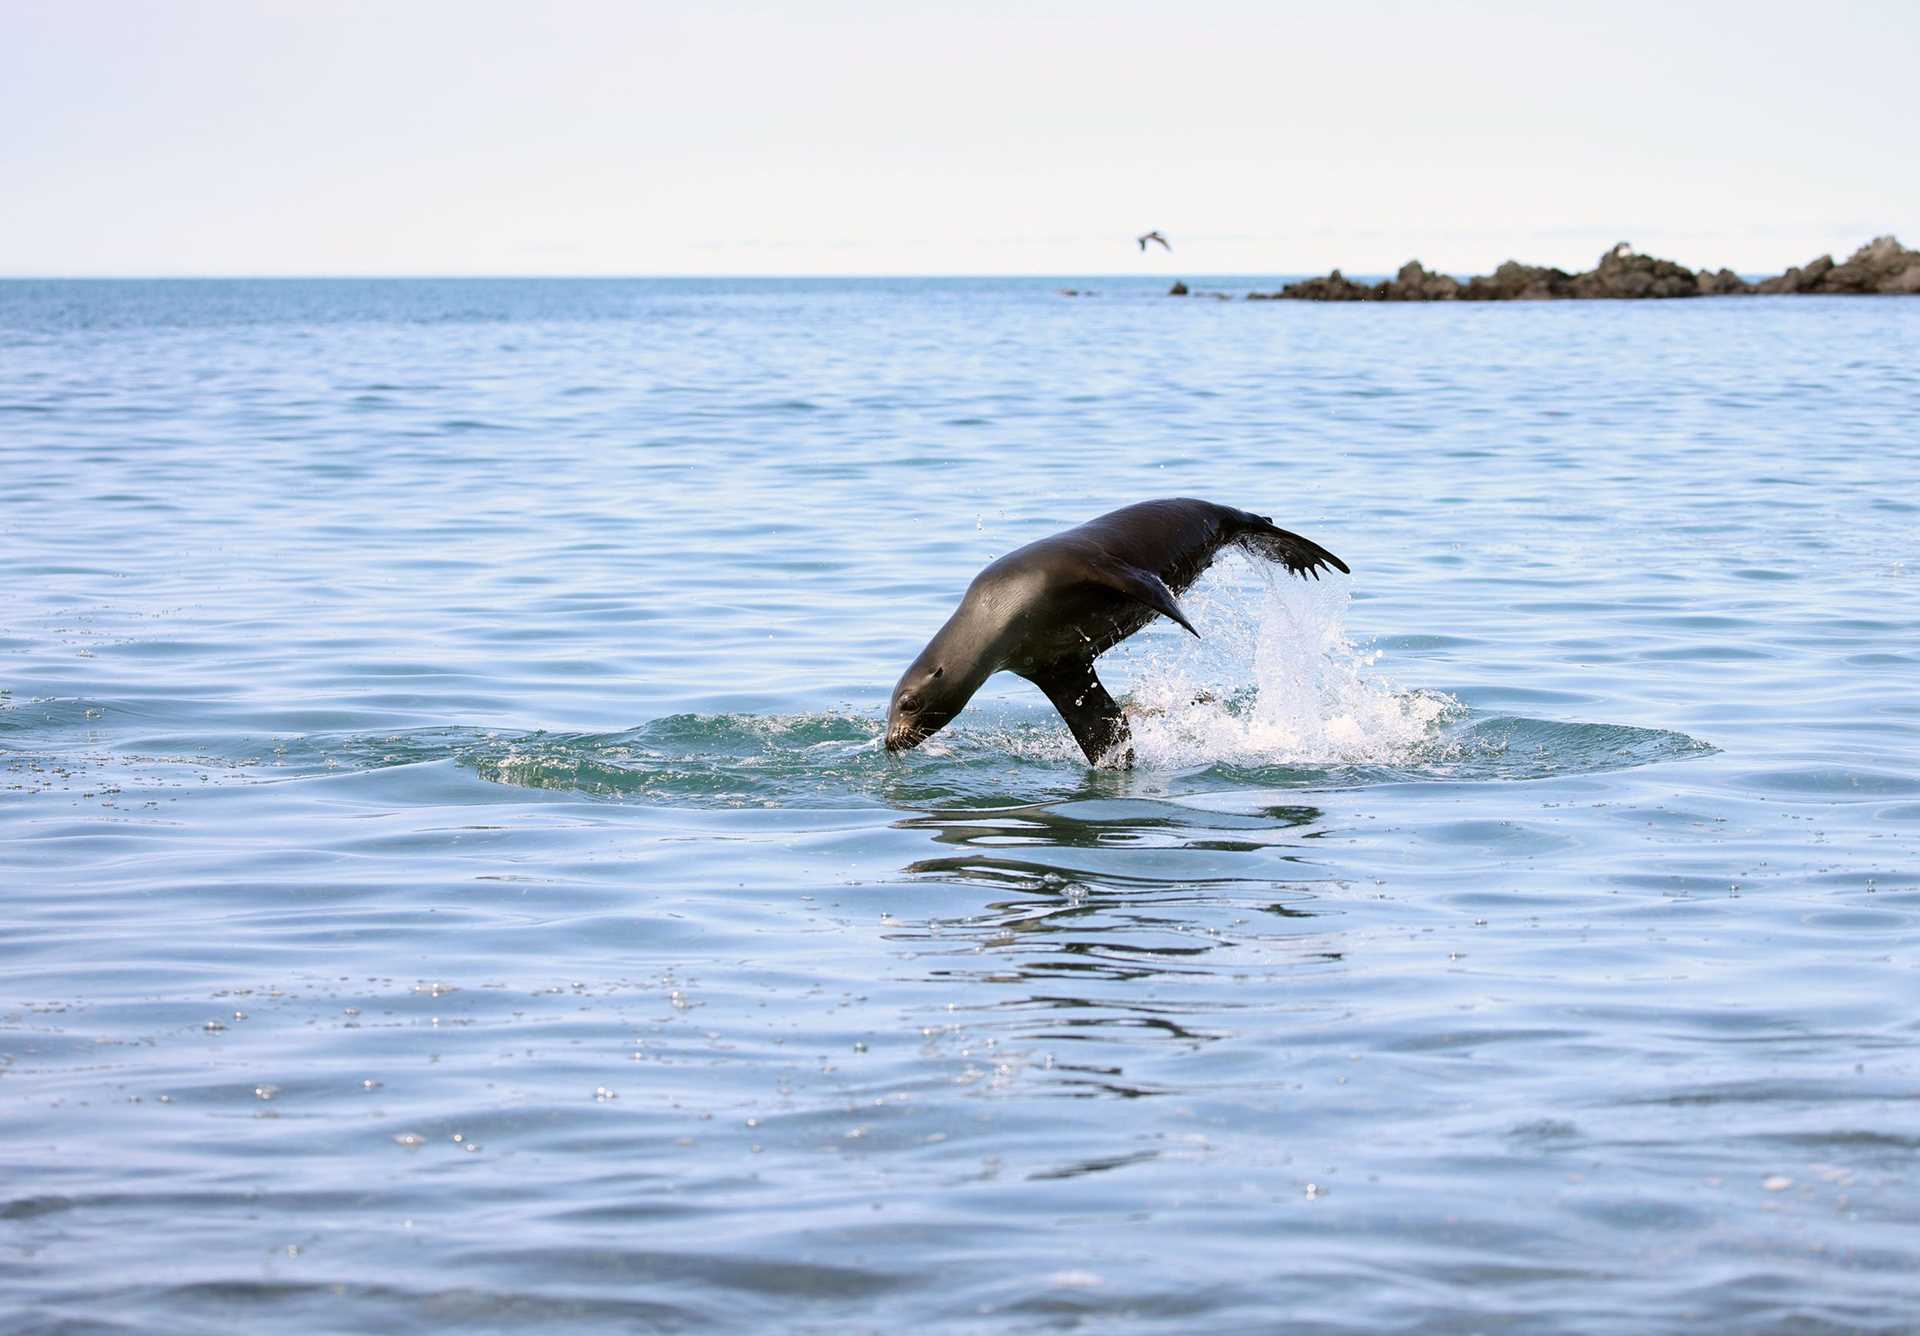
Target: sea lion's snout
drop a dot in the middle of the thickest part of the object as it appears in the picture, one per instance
(904, 737)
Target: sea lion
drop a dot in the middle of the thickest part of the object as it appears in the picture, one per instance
(1048, 610)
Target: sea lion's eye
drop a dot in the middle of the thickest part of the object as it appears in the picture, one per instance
(909, 703)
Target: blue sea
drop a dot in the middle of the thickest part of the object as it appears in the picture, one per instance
(452, 880)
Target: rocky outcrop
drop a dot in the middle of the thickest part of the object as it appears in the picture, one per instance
(1798, 279)
(1335, 287)
(1722, 284)
(1516, 282)
(1178, 289)
(1412, 284)
(1624, 272)
(1881, 266)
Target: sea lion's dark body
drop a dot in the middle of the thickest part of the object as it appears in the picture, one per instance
(1046, 611)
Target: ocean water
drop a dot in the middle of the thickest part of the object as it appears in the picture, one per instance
(452, 880)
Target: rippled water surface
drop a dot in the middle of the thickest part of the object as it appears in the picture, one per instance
(452, 881)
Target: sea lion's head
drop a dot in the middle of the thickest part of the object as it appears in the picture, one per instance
(924, 701)
(957, 662)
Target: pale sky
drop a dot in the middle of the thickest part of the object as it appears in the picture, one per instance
(167, 137)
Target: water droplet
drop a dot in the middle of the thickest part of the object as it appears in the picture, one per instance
(412, 1141)
(1777, 1183)
(265, 1091)
(603, 1094)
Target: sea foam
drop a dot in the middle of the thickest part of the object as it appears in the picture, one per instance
(1274, 680)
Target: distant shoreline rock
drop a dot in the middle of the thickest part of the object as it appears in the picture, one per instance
(1882, 266)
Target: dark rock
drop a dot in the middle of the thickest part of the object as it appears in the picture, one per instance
(1798, 278)
(1179, 289)
(1414, 284)
(1882, 265)
(1516, 282)
(1721, 284)
(1624, 272)
(1787, 282)
(1850, 277)
(1335, 287)
(1907, 281)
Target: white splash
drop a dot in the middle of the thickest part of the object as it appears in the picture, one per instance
(1274, 681)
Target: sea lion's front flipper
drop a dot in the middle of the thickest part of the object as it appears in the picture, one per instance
(1096, 721)
(1142, 587)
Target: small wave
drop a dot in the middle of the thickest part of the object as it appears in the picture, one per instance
(1274, 696)
(832, 760)
(726, 760)
(1007, 754)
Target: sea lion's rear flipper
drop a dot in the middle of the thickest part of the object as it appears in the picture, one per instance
(1142, 587)
(1300, 555)
(1096, 721)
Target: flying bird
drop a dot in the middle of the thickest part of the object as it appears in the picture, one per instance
(1153, 236)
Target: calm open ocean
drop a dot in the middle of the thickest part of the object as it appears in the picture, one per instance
(452, 880)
